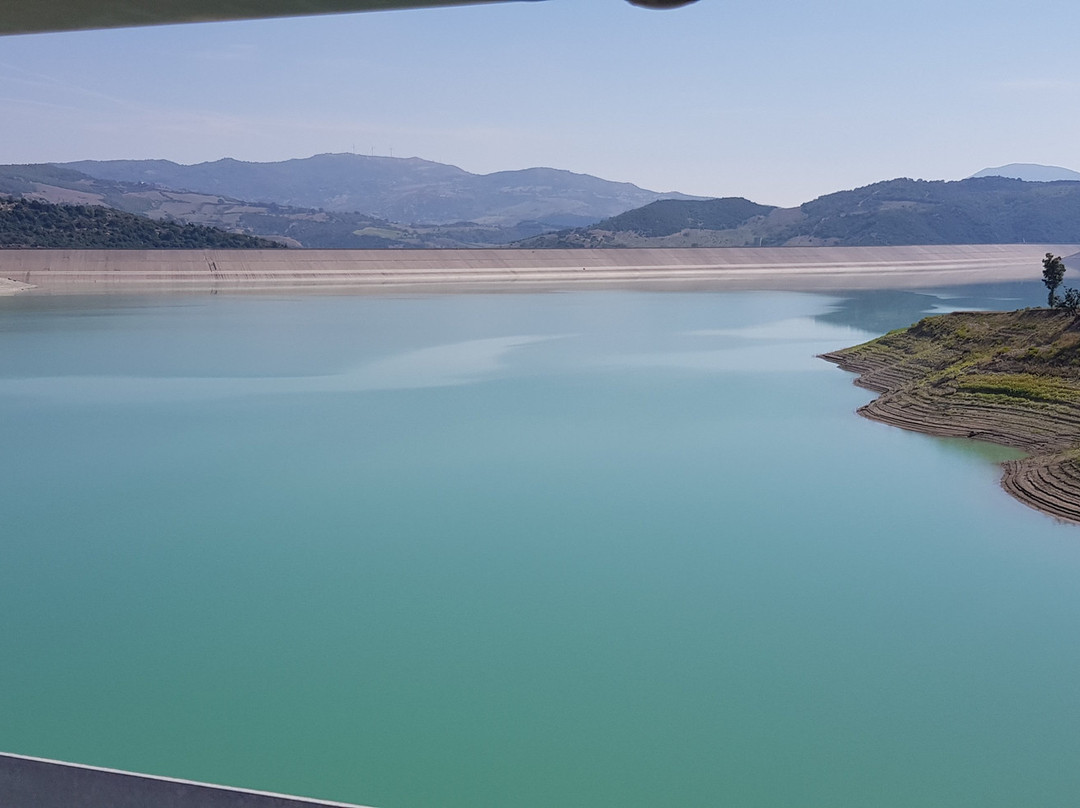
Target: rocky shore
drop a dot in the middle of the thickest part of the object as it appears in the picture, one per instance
(1011, 378)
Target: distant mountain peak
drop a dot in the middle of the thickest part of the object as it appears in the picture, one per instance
(1030, 172)
(399, 189)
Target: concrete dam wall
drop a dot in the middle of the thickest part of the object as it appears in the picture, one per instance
(787, 268)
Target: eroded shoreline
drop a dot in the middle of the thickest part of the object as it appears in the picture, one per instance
(1010, 378)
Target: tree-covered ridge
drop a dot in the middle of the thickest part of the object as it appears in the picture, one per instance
(28, 223)
(667, 216)
(985, 210)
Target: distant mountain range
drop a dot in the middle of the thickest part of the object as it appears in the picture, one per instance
(986, 210)
(409, 190)
(304, 203)
(1031, 172)
(294, 227)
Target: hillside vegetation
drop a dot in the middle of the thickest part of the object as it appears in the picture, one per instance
(32, 224)
(986, 210)
(1011, 378)
(669, 216)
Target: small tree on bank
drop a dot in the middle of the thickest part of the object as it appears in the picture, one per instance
(1053, 275)
(1071, 301)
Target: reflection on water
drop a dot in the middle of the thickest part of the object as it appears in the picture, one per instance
(981, 449)
(436, 366)
(879, 311)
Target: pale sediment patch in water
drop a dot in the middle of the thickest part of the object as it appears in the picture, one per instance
(10, 287)
(448, 365)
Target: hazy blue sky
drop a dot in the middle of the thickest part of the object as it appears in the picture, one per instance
(775, 100)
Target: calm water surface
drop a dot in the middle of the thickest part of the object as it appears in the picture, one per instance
(466, 552)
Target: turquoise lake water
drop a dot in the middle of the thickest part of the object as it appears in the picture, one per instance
(598, 549)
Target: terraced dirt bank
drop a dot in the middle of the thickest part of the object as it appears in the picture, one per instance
(1011, 378)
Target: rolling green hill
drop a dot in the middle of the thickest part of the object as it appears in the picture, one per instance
(668, 216)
